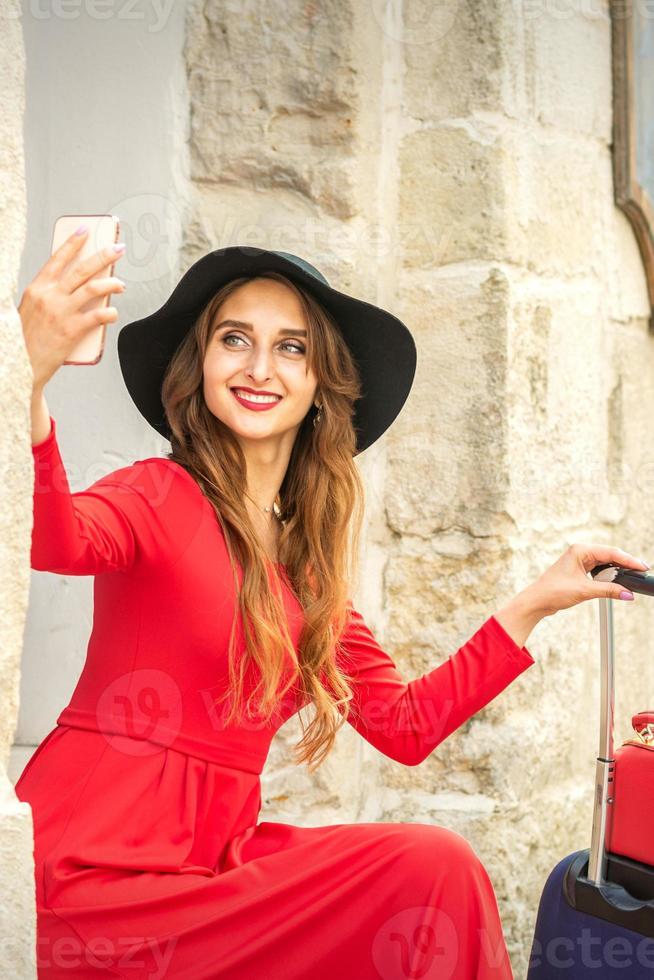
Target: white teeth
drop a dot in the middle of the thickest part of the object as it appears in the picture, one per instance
(255, 398)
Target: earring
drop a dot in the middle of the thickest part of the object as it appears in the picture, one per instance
(317, 417)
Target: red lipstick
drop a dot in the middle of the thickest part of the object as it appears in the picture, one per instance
(252, 405)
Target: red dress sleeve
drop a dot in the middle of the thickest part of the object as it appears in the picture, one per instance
(406, 721)
(117, 524)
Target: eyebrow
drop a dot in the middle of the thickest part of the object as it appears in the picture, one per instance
(243, 325)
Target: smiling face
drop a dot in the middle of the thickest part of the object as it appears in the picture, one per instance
(264, 348)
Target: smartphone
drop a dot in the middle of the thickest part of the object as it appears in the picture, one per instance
(104, 230)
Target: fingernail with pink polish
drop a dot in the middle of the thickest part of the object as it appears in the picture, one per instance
(625, 595)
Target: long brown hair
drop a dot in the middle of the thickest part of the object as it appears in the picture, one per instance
(320, 504)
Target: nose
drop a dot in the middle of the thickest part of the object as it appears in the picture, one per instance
(259, 367)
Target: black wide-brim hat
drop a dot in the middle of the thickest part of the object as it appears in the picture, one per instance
(382, 346)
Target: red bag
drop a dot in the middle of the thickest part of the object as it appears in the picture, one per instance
(631, 832)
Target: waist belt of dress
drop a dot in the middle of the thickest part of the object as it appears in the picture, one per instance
(226, 749)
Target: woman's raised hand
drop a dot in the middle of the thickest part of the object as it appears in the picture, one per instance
(50, 305)
(567, 583)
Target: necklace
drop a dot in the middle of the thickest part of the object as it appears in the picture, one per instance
(275, 511)
(273, 508)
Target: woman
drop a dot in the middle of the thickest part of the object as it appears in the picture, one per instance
(223, 576)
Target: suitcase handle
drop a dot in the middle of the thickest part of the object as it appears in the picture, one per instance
(630, 578)
(643, 583)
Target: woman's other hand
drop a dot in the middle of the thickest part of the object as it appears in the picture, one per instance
(564, 584)
(567, 583)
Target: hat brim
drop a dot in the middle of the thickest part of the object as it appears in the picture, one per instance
(382, 346)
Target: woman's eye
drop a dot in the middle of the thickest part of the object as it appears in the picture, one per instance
(296, 348)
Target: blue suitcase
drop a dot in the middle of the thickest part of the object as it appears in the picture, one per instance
(596, 914)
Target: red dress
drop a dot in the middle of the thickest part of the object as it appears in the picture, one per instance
(150, 860)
